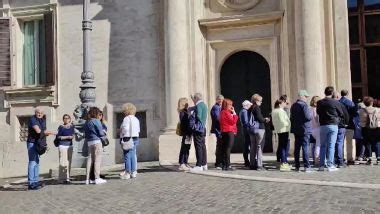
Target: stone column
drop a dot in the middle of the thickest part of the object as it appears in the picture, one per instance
(176, 75)
(312, 27)
(176, 58)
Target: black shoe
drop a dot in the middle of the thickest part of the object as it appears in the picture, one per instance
(341, 166)
(297, 169)
(247, 164)
(230, 168)
(102, 176)
(35, 187)
(253, 167)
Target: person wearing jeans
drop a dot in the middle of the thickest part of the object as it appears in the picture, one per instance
(228, 120)
(184, 131)
(330, 113)
(301, 117)
(36, 133)
(130, 128)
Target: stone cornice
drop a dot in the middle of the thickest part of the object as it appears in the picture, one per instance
(29, 95)
(241, 20)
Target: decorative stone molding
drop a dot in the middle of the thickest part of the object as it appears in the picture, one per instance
(33, 95)
(239, 4)
(238, 20)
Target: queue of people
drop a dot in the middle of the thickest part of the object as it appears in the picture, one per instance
(95, 135)
(320, 129)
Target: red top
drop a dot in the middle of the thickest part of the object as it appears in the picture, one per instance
(228, 121)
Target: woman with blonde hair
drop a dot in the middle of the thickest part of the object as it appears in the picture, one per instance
(184, 131)
(130, 128)
(315, 128)
(257, 136)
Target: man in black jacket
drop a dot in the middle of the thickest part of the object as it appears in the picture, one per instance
(329, 111)
(343, 123)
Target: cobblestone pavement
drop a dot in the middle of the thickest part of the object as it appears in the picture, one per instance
(158, 190)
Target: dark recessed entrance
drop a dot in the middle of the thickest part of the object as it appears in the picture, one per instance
(243, 74)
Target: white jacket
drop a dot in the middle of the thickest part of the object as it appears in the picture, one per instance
(125, 127)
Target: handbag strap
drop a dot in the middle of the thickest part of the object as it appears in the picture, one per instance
(130, 127)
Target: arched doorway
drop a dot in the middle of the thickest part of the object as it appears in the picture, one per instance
(243, 74)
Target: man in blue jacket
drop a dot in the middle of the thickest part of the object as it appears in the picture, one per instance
(215, 129)
(300, 118)
(352, 109)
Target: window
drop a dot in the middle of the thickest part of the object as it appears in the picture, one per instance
(364, 30)
(33, 57)
(23, 132)
(141, 115)
(5, 60)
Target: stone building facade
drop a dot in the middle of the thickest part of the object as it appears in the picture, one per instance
(152, 52)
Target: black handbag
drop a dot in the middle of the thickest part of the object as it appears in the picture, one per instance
(105, 141)
(56, 142)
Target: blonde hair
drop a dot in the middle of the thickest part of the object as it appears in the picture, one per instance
(314, 100)
(129, 109)
(183, 103)
(255, 98)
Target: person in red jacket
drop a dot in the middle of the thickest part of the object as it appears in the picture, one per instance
(228, 128)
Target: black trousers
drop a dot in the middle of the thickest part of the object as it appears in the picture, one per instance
(200, 148)
(184, 152)
(227, 142)
(218, 151)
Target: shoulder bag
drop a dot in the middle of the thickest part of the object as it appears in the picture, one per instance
(129, 144)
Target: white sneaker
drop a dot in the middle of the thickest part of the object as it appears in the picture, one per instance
(196, 169)
(134, 174)
(332, 169)
(205, 168)
(183, 167)
(90, 182)
(125, 176)
(100, 181)
(122, 173)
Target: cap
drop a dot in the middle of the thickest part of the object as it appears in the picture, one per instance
(303, 93)
(246, 103)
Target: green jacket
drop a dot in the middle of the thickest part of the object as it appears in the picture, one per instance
(280, 120)
(202, 112)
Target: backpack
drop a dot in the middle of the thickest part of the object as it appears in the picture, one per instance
(253, 125)
(195, 124)
(373, 120)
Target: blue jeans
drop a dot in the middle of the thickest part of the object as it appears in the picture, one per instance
(33, 165)
(302, 141)
(339, 146)
(328, 134)
(130, 159)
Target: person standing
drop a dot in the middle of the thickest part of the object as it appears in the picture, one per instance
(130, 128)
(185, 132)
(370, 123)
(339, 146)
(36, 132)
(228, 120)
(200, 110)
(330, 112)
(244, 120)
(352, 110)
(215, 129)
(315, 128)
(93, 132)
(257, 138)
(281, 124)
(65, 136)
(301, 127)
(284, 98)
(360, 147)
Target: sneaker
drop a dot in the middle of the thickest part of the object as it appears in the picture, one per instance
(196, 169)
(308, 170)
(205, 168)
(284, 167)
(134, 174)
(122, 173)
(125, 176)
(182, 167)
(332, 169)
(260, 168)
(360, 159)
(219, 168)
(90, 182)
(100, 181)
(35, 187)
(188, 166)
(297, 169)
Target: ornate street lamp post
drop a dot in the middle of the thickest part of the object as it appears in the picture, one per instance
(87, 92)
